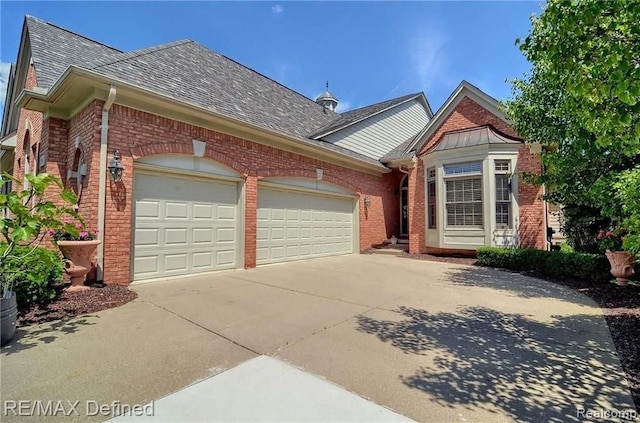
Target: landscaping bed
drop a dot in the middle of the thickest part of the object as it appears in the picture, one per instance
(72, 304)
(620, 306)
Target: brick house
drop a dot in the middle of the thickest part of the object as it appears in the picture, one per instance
(225, 168)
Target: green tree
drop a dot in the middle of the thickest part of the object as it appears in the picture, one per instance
(28, 215)
(582, 98)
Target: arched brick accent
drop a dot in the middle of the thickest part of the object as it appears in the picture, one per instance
(309, 174)
(153, 149)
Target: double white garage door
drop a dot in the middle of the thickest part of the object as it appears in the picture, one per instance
(185, 225)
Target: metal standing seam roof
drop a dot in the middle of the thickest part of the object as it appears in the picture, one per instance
(472, 137)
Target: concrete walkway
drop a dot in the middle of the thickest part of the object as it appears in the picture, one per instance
(431, 341)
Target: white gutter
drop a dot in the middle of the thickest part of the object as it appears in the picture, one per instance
(102, 187)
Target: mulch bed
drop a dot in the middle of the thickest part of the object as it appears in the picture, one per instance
(72, 304)
(620, 306)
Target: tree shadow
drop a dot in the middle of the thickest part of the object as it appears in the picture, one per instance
(46, 333)
(485, 359)
(578, 291)
(514, 282)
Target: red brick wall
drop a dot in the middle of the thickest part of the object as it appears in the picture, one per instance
(417, 230)
(137, 134)
(469, 114)
(86, 126)
(531, 226)
(35, 134)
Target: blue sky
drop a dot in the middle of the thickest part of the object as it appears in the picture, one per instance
(369, 51)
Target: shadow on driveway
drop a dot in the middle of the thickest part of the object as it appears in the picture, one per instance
(25, 339)
(531, 370)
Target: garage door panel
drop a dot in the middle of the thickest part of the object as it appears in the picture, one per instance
(150, 209)
(203, 211)
(226, 212)
(226, 235)
(226, 258)
(175, 236)
(176, 261)
(147, 237)
(183, 230)
(202, 235)
(146, 265)
(293, 225)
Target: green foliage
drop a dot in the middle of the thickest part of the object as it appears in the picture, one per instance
(566, 248)
(592, 267)
(580, 224)
(582, 99)
(588, 50)
(30, 215)
(32, 272)
(628, 193)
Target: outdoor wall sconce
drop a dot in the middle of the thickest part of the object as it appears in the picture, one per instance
(115, 167)
(367, 201)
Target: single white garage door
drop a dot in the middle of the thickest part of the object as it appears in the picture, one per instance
(295, 226)
(183, 225)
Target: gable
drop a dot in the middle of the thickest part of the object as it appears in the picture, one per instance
(377, 135)
(466, 114)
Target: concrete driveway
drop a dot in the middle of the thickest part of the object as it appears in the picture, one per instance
(432, 341)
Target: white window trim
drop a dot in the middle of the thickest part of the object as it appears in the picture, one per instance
(458, 237)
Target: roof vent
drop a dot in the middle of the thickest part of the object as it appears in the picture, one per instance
(327, 100)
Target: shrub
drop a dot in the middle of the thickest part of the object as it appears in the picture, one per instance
(592, 267)
(32, 273)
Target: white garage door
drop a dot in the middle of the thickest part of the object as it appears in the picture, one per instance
(294, 226)
(183, 225)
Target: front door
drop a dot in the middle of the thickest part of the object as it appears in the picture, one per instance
(404, 206)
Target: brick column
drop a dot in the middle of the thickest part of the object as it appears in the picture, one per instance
(250, 220)
(416, 200)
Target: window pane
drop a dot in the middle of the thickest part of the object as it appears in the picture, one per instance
(461, 168)
(464, 202)
(502, 165)
(502, 188)
(502, 214)
(431, 210)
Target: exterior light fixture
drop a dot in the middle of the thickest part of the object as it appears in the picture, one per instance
(367, 201)
(115, 167)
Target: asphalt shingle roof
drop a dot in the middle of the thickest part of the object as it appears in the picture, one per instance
(190, 72)
(399, 152)
(54, 49)
(187, 71)
(356, 115)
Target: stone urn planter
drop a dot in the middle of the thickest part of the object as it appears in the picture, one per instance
(78, 256)
(8, 317)
(622, 263)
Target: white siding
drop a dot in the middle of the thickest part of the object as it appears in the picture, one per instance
(379, 134)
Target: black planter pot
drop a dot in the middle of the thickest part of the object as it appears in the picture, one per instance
(8, 317)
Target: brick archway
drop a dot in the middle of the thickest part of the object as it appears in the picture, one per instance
(308, 174)
(154, 149)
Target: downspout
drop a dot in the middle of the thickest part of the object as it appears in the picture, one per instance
(102, 187)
